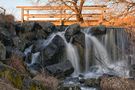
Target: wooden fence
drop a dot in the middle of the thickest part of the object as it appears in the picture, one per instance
(62, 14)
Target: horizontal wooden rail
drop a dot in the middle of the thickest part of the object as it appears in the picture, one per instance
(61, 13)
(100, 7)
(58, 15)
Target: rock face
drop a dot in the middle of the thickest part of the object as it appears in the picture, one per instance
(61, 69)
(71, 31)
(2, 52)
(97, 30)
(53, 52)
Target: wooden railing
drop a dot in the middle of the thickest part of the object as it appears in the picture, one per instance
(60, 14)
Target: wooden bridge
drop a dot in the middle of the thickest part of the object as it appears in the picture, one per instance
(62, 14)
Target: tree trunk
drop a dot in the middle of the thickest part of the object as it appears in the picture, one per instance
(79, 18)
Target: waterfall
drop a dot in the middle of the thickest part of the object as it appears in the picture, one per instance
(100, 54)
(108, 51)
(72, 54)
(71, 51)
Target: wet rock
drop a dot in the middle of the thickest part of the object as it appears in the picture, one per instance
(97, 30)
(80, 39)
(71, 31)
(132, 71)
(47, 27)
(35, 69)
(92, 82)
(70, 87)
(64, 68)
(2, 52)
(53, 52)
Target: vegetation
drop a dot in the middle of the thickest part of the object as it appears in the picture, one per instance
(117, 8)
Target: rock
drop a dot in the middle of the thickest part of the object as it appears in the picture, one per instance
(40, 34)
(35, 69)
(64, 68)
(97, 30)
(5, 37)
(28, 26)
(2, 52)
(71, 31)
(16, 40)
(47, 27)
(11, 75)
(29, 84)
(53, 52)
(92, 82)
(13, 51)
(132, 71)
(80, 39)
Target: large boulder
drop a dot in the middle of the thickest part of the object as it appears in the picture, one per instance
(64, 68)
(132, 71)
(2, 52)
(54, 51)
(92, 82)
(13, 51)
(19, 81)
(28, 26)
(71, 31)
(79, 39)
(47, 27)
(97, 30)
(5, 36)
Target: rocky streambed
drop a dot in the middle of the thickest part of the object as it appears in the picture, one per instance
(42, 56)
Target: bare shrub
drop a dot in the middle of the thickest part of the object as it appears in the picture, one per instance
(17, 63)
(116, 83)
(48, 81)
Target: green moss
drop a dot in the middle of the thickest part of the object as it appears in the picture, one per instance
(11, 75)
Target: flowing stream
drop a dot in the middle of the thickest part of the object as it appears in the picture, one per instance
(103, 54)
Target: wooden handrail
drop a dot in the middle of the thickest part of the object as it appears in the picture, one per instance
(25, 12)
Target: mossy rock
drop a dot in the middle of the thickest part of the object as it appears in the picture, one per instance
(18, 80)
(11, 75)
(30, 84)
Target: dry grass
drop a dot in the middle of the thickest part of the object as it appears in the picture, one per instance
(48, 81)
(6, 86)
(9, 18)
(17, 63)
(115, 83)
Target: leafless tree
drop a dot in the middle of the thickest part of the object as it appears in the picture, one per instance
(74, 5)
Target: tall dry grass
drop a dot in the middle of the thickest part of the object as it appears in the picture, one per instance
(50, 82)
(116, 83)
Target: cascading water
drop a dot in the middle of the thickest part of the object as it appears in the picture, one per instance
(100, 53)
(72, 54)
(109, 52)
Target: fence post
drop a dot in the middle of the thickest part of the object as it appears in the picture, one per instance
(22, 15)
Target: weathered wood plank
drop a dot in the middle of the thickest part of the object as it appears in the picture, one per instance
(98, 7)
(59, 15)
